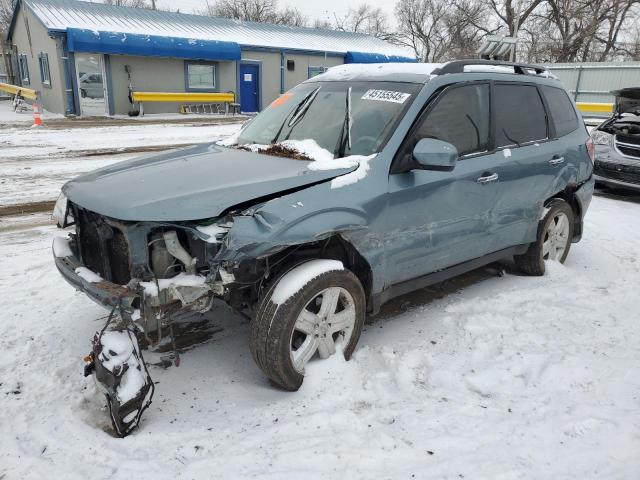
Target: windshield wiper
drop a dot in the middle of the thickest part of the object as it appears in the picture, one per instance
(345, 136)
(297, 113)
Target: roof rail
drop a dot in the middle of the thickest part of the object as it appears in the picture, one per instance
(457, 66)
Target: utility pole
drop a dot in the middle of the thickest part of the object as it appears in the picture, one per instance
(516, 27)
(153, 4)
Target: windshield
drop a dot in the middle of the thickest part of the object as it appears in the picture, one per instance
(343, 118)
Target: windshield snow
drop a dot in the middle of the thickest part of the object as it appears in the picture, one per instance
(335, 119)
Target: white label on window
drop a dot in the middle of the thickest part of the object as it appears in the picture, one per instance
(386, 96)
(248, 77)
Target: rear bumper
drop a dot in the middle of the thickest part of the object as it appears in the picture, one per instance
(106, 294)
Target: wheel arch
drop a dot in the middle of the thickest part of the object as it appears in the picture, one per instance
(335, 247)
(569, 196)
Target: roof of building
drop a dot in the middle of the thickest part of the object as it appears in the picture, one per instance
(62, 15)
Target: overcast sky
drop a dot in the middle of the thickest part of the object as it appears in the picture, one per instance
(312, 8)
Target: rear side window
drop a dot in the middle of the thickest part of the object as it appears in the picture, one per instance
(461, 117)
(520, 115)
(561, 110)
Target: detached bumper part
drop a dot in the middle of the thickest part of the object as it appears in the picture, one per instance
(122, 375)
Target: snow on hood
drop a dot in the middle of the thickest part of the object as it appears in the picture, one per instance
(322, 159)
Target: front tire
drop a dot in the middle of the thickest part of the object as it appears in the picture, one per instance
(555, 232)
(287, 333)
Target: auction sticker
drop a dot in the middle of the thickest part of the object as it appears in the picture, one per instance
(386, 96)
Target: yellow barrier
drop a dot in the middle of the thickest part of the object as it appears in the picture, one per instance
(21, 91)
(198, 97)
(586, 107)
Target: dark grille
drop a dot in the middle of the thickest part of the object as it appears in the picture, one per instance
(103, 248)
(628, 145)
(616, 171)
(630, 152)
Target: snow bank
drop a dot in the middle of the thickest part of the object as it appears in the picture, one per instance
(61, 247)
(180, 280)
(297, 278)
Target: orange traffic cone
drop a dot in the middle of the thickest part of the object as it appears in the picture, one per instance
(37, 120)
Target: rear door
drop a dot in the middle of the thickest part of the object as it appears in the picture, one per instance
(531, 160)
(437, 219)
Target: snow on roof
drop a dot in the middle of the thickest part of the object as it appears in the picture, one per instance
(62, 14)
(379, 71)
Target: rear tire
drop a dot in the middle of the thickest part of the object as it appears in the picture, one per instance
(555, 232)
(284, 337)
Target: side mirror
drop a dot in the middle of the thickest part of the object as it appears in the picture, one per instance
(432, 154)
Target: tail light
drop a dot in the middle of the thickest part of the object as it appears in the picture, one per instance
(591, 150)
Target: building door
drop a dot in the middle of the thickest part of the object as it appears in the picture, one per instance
(92, 90)
(249, 88)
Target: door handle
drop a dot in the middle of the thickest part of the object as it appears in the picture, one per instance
(488, 179)
(556, 161)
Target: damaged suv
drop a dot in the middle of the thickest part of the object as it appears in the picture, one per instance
(361, 184)
(617, 142)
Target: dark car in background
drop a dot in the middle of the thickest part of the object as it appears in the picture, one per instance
(617, 143)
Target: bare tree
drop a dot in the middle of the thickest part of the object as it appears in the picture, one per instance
(6, 11)
(439, 30)
(264, 11)
(365, 19)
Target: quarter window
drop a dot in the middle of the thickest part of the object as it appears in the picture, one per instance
(45, 73)
(520, 115)
(561, 110)
(461, 117)
(201, 76)
(23, 68)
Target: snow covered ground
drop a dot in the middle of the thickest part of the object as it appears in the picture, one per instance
(35, 162)
(483, 377)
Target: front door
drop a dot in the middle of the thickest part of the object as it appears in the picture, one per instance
(92, 90)
(249, 88)
(438, 219)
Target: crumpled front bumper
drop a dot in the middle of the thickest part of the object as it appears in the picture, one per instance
(105, 293)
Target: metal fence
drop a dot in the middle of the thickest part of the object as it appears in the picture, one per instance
(593, 82)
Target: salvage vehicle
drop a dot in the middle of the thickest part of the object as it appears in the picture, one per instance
(356, 186)
(617, 143)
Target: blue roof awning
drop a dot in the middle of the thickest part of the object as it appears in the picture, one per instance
(362, 57)
(81, 40)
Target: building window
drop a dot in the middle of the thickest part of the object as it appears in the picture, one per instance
(23, 67)
(45, 73)
(200, 76)
(315, 71)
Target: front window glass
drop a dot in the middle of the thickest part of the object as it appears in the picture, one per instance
(201, 76)
(461, 117)
(343, 118)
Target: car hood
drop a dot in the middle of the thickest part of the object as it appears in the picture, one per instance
(190, 184)
(627, 100)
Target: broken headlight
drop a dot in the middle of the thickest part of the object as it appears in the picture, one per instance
(61, 214)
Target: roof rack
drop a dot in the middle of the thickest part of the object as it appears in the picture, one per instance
(457, 66)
